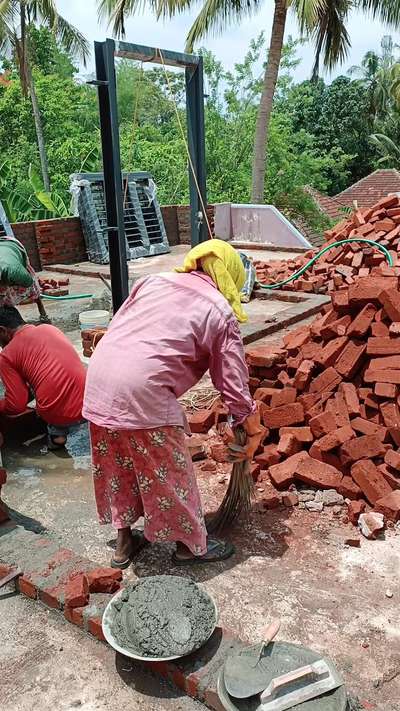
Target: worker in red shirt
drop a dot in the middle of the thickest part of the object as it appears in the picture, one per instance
(42, 361)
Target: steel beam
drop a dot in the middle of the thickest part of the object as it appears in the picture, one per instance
(196, 139)
(107, 91)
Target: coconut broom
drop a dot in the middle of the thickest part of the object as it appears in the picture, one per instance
(239, 492)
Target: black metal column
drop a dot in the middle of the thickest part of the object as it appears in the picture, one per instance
(196, 140)
(106, 83)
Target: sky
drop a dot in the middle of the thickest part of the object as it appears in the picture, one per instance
(232, 45)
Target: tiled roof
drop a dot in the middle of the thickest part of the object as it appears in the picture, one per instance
(371, 189)
(331, 206)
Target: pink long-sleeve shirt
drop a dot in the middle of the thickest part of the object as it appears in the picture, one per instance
(168, 333)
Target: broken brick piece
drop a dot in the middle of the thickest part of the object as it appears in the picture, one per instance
(393, 479)
(379, 330)
(369, 289)
(283, 416)
(382, 376)
(297, 338)
(349, 489)
(328, 380)
(282, 475)
(386, 390)
(329, 354)
(264, 356)
(364, 447)
(354, 511)
(322, 424)
(268, 457)
(200, 422)
(366, 427)
(288, 445)
(290, 499)
(362, 321)
(76, 591)
(302, 434)
(303, 374)
(318, 474)
(392, 458)
(271, 499)
(104, 580)
(389, 506)
(383, 346)
(371, 524)
(370, 480)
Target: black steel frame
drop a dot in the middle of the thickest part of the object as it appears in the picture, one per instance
(105, 53)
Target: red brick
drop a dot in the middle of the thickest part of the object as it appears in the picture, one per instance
(370, 480)
(201, 422)
(382, 376)
(283, 416)
(379, 330)
(326, 381)
(53, 596)
(349, 393)
(369, 289)
(390, 300)
(340, 299)
(264, 394)
(391, 414)
(349, 489)
(315, 473)
(264, 356)
(283, 397)
(337, 406)
(387, 362)
(365, 447)
(77, 591)
(26, 587)
(350, 359)
(95, 628)
(333, 439)
(386, 390)
(104, 580)
(393, 459)
(290, 499)
(389, 506)
(354, 511)
(288, 445)
(303, 374)
(330, 353)
(366, 427)
(383, 346)
(337, 328)
(268, 457)
(393, 479)
(323, 424)
(271, 499)
(297, 338)
(282, 475)
(74, 615)
(302, 434)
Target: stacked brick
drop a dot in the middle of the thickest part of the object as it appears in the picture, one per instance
(341, 266)
(90, 339)
(54, 287)
(331, 395)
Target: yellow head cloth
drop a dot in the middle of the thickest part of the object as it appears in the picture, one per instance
(222, 263)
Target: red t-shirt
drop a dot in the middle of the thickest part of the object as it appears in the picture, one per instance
(42, 359)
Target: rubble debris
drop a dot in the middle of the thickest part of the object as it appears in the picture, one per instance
(371, 524)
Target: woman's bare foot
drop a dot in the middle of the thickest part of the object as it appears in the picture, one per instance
(124, 548)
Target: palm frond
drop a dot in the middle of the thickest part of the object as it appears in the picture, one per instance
(330, 35)
(215, 15)
(308, 12)
(115, 11)
(72, 40)
(388, 11)
(43, 11)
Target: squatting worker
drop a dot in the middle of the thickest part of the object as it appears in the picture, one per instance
(18, 281)
(172, 328)
(40, 360)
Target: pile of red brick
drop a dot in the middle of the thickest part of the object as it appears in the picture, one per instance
(54, 287)
(330, 398)
(340, 266)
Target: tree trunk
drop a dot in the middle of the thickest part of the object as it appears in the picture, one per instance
(39, 132)
(266, 101)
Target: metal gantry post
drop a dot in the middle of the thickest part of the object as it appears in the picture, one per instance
(109, 124)
(196, 140)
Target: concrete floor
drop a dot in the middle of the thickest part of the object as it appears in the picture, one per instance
(49, 665)
(290, 564)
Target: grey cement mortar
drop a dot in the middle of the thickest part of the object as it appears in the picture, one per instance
(162, 616)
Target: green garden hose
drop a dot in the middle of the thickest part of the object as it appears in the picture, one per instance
(70, 297)
(301, 271)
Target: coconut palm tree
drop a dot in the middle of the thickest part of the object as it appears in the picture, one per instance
(380, 73)
(16, 19)
(324, 21)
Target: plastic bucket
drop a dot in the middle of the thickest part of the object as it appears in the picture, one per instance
(93, 319)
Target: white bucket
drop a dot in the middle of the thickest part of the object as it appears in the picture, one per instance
(93, 319)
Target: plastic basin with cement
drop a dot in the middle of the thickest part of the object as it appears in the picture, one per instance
(110, 612)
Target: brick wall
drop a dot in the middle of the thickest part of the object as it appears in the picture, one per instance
(183, 217)
(170, 217)
(60, 241)
(25, 232)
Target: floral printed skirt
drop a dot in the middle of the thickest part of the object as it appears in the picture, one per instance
(15, 295)
(148, 473)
